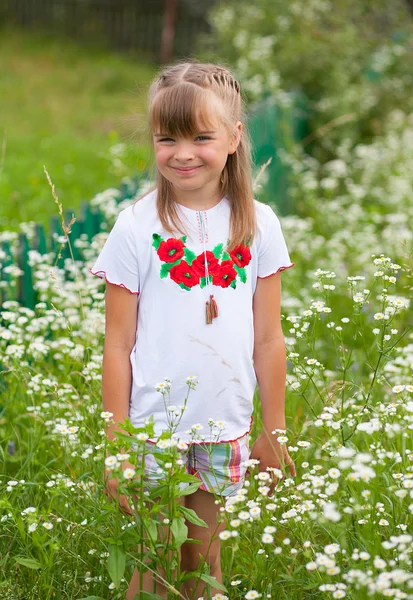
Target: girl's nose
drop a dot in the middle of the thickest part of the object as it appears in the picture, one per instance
(184, 151)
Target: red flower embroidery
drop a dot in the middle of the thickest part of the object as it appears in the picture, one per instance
(241, 255)
(199, 264)
(183, 273)
(171, 250)
(225, 275)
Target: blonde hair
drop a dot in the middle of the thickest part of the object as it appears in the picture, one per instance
(182, 97)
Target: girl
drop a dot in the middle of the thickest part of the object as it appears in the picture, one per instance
(202, 259)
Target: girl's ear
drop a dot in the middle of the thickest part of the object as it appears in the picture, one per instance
(233, 145)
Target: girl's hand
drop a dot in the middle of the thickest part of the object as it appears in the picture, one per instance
(111, 488)
(271, 453)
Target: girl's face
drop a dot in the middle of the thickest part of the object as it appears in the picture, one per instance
(196, 161)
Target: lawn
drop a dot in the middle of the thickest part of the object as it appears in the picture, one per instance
(80, 111)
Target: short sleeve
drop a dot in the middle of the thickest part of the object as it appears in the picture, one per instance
(117, 261)
(272, 253)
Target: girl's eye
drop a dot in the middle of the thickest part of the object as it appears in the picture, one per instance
(166, 140)
(203, 137)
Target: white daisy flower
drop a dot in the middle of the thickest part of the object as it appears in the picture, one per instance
(129, 473)
(106, 414)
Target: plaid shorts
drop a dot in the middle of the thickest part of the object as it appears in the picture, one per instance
(217, 465)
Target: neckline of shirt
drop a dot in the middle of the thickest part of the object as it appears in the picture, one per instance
(193, 211)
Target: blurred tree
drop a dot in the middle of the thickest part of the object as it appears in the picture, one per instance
(351, 58)
(410, 5)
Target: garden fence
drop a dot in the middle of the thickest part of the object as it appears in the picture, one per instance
(124, 25)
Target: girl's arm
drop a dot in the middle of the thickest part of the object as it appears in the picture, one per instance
(269, 351)
(270, 368)
(121, 309)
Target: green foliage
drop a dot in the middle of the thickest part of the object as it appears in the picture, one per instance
(351, 58)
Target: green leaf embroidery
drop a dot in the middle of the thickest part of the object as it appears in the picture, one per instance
(183, 239)
(217, 251)
(248, 242)
(184, 287)
(233, 283)
(202, 282)
(179, 530)
(189, 256)
(166, 267)
(241, 272)
(157, 239)
(226, 256)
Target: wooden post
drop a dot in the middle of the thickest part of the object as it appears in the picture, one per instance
(168, 30)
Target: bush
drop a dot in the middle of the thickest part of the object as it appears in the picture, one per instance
(351, 58)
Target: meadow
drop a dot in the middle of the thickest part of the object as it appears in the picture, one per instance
(342, 528)
(78, 110)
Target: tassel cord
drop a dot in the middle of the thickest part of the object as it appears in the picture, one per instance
(211, 305)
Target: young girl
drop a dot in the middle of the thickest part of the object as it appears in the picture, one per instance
(203, 258)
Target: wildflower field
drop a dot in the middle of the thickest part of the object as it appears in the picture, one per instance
(342, 528)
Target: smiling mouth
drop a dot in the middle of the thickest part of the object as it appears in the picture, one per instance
(186, 169)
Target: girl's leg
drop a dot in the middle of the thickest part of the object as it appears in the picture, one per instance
(203, 503)
(148, 576)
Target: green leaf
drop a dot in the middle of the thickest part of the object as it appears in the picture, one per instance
(179, 530)
(148, 596)
(189, 256)
(202, 282)
(192, 487)
(217, 251)
(188, 478)
(192, 516)
(213, 582)
(183, 239)
(242, 274)
(116, 564)
(226, 256)
(166, 267)
(233, 283)
(152, 530)
(92, 598)
(157, 239)
(30, 563)
(184, 287)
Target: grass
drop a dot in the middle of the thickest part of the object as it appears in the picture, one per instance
(65, 106)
